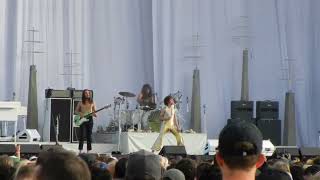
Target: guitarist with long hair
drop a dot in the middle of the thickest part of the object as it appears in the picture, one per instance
(84, 107)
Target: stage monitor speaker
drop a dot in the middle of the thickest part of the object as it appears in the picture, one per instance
(173, 151)
(9, 149)
(270, 129)
(204, 158)
(52, 93)
(28, 135)
(29, 148)
(60, 114)
(51, 148)
(212, 147)
(310, 151)
(242, 110)
(293, 151)
(267, 110)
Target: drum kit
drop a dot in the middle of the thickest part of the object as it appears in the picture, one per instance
(141, 118)
(133, 119)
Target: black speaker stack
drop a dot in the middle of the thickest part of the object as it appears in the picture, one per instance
(267, 117)
(302, 152)
(60, 119)
(62, 104)
(241, 110)
(267, 110)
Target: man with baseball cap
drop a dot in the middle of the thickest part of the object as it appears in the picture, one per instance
(239, 151)
(143, 165)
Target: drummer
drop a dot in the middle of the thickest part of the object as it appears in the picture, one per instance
(146, 103)
(146, 98)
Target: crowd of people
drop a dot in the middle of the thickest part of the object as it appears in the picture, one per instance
(239, 157)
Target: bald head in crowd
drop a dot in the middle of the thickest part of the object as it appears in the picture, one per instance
(61, 166)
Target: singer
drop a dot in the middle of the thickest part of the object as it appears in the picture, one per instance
(168, 123)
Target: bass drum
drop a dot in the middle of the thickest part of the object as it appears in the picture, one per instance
(140, 118)
(154, 120)
(126, 117)
(136, 116)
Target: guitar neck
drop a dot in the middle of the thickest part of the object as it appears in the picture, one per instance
(97, 110)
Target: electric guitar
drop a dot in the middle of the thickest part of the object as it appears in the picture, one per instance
(77, 120)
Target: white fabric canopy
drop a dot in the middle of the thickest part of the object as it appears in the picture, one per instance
(121, 44)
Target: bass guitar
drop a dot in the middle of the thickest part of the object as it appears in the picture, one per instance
(78, 120)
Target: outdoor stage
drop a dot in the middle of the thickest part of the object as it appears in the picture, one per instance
(195, 143)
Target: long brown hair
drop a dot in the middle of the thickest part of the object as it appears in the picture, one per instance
(84, 98)
(144, 90)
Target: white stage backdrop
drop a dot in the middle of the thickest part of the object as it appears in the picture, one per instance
(118, 45)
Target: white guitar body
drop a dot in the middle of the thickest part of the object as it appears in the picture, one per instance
(82, 120)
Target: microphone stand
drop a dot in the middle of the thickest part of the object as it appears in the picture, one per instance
(57, 129)
(187, 104)
(119, 131)
(204, 118)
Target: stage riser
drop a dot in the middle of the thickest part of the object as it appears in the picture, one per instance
(24, 149)
(133, 141)
(36, 147)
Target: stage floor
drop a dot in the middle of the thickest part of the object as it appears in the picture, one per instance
(100, 148)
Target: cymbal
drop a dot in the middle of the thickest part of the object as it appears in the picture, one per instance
(127, 94)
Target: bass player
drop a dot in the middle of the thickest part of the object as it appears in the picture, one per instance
(84, 107)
